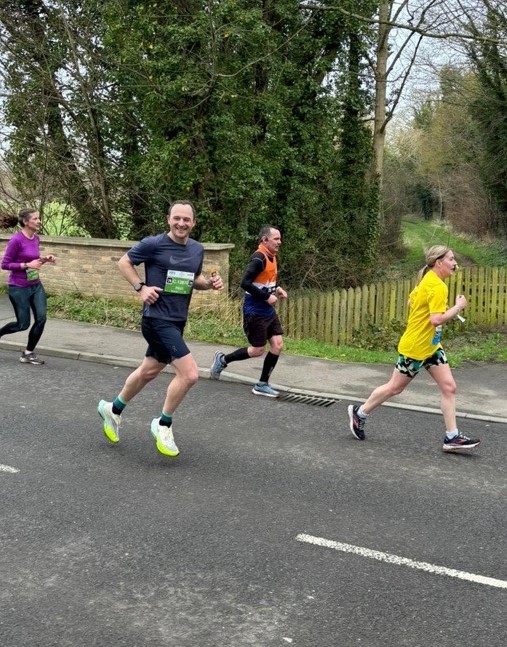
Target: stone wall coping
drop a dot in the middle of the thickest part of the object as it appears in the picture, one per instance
(105, 242)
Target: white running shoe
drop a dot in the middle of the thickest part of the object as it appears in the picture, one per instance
(111, 421)
(164, 439)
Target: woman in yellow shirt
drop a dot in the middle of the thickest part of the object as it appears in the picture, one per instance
(420, 347)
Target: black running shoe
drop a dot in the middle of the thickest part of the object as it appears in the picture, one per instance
(356, 423)
(459, 442)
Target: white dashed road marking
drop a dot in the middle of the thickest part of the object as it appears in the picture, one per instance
(401, 561)
(8, 468)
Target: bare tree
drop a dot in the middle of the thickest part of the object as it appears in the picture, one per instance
(401, 26)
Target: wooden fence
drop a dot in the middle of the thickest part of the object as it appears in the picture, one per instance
(334, 316)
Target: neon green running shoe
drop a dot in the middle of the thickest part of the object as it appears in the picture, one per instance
(164, 439)
(111, 421)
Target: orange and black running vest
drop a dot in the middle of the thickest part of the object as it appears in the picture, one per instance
(265, 281)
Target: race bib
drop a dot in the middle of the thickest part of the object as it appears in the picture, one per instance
(31, 275)
(179, 282)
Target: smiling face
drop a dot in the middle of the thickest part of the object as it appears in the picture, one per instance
(181, 221)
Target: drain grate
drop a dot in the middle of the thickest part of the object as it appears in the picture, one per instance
(307, 399)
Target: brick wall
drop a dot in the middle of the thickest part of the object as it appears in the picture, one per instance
(88, 266)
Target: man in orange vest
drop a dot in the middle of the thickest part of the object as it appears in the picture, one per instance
(260, 320)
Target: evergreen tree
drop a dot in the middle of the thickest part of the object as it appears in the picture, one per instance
(489, 109)
(254, 109)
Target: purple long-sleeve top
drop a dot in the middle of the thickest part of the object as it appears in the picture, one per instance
(19, 250)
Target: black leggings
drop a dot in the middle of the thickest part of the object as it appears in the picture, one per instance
(23, 300)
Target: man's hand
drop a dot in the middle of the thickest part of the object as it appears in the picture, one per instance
(149, 294)
(216, 282)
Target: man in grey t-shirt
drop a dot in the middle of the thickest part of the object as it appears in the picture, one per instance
(173, 268)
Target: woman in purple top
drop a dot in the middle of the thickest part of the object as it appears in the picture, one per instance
(22, 258)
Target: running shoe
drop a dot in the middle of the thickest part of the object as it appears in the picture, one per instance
(356, 422)
(459, 442)
(164, 438)
(263, 388)
(31, 358)
(111, 421)
(218, 366)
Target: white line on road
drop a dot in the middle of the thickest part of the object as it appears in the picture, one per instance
(8, 468)
(401, 561)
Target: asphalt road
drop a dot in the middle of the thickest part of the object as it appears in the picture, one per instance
(117, 546)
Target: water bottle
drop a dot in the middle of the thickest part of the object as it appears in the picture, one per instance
(437, 335)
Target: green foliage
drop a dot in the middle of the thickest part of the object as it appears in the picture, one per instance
(489, 107)
(452, 162)
(58, 131)
(60, 220)
(107, 312)
(377, 337)
(424, 115)
(477, 345)
(374, 345)
(215, 328)
(255, 111)
(419, 234)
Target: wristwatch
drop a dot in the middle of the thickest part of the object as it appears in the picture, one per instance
(137, 287)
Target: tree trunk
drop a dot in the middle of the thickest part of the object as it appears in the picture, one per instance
(379, 128)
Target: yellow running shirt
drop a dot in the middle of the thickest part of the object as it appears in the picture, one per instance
(427, 298)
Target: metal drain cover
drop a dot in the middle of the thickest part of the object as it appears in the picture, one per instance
(307, 399)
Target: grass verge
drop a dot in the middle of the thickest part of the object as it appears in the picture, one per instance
(374, 346)
(462, 344)
(419, 234)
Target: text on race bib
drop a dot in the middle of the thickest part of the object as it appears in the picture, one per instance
(179, 282)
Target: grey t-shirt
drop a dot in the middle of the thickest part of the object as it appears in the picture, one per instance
(172, 267)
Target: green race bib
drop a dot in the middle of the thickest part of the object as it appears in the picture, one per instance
(179, 282)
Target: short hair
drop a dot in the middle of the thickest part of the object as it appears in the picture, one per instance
(265, 231)
(184, 202)
(24, 216)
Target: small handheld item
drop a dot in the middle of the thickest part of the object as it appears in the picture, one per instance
(462, 319)
(437, 335)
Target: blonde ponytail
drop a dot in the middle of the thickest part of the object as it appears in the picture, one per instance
(432, 255)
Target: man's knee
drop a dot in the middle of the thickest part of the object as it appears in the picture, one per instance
(193, 378)
(189, 376)
(149, 373)
(256, 351)
(276, 346)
